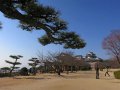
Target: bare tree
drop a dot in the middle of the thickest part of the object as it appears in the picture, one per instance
(41, 57)
(61, 61)
(68, 59)
(112, 44)
(53, 62)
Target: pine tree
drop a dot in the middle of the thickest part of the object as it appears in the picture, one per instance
(16, 57)
(33, 64)
(34, 16)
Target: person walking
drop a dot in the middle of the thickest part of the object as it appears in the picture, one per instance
(107, 71)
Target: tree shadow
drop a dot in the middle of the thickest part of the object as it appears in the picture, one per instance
(31, 78)
(116, 82)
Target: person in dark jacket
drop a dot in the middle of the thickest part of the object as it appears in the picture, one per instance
(107, 72)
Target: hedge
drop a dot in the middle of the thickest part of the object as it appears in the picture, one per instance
(4, 75)
(117, 74)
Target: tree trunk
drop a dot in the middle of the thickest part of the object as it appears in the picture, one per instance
(71, 68)
(67, 69)
(59, 71)
(117, 57)
(13, 68)
(34, 71)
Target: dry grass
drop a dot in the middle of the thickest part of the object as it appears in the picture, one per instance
(83, 80)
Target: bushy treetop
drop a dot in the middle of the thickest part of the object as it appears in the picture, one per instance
(34, 16)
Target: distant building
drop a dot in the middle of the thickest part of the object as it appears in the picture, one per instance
(69, 62)
(92, 59)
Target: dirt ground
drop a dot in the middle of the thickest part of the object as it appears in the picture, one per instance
(82, 80)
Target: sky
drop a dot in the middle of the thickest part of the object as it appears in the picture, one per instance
(93, 20)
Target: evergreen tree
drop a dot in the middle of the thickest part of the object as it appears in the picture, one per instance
(24, 71)
(33, 64)
(5, 69)
(34, 16)
(16, 57)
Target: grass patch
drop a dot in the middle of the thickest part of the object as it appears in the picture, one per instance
(117, 74)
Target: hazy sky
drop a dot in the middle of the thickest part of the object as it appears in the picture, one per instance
(93, 20)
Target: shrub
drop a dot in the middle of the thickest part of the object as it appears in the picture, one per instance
(4, 75)
(117, 74)
(85, 68)
(32, 71)
(24, 71)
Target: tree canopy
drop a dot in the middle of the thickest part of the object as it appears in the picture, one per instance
(112, 44)
(16, 57)
(34, 63)
(34, 16)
